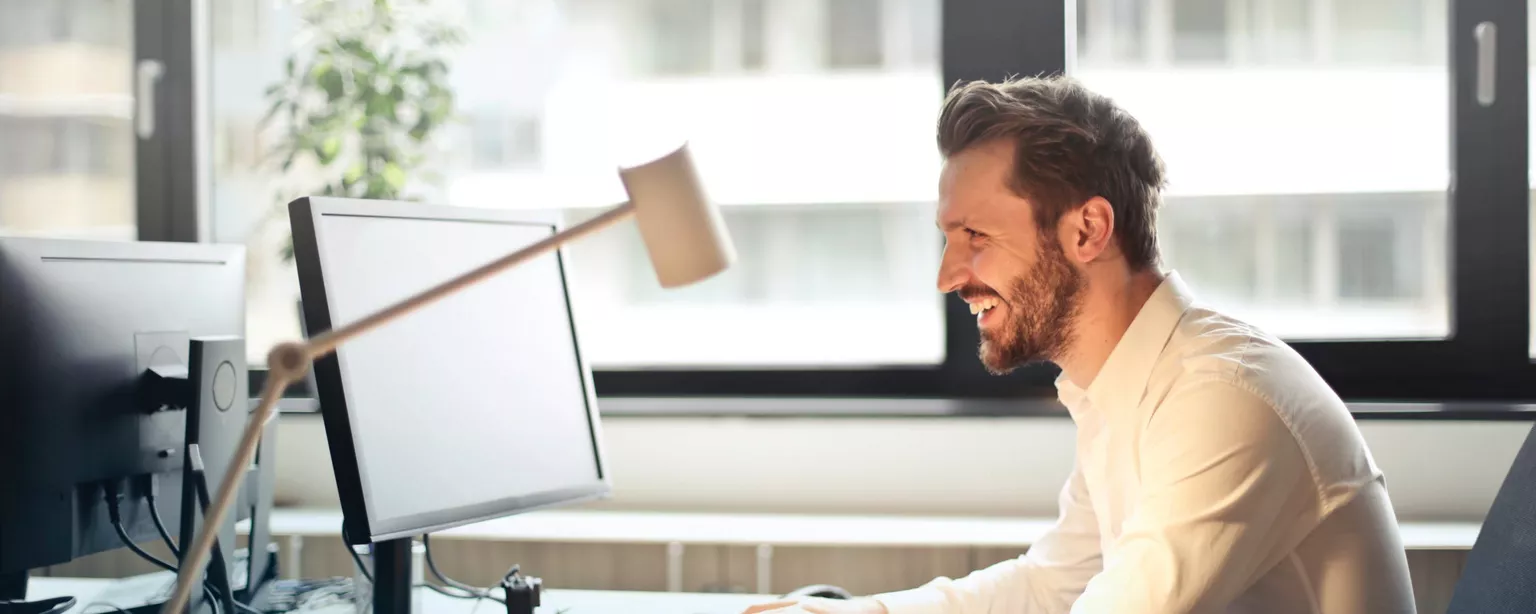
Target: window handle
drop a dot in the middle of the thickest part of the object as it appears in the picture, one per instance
(148, 75)
(1486, 34)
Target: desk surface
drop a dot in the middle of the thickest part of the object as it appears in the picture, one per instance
(554, 600)
(785, 529)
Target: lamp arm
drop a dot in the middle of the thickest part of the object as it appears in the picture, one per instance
(328, 341)
(194, 557)
(288, 362)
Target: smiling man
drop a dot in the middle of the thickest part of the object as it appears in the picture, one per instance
(1215, 471)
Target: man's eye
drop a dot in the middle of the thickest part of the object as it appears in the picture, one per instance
(973, 234)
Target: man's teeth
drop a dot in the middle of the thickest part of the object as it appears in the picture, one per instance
(983, 305)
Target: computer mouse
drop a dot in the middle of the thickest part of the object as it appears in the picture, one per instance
(824, 591)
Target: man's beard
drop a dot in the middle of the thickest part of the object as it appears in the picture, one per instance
(1042, 308)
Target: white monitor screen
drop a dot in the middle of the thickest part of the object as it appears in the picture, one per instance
(475, 406)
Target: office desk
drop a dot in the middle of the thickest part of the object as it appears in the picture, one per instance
(554, 600)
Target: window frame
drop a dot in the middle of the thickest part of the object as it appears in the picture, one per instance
(1485, 359)
(172, 163)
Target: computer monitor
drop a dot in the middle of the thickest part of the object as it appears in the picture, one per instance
(80, 323)
(480, 405)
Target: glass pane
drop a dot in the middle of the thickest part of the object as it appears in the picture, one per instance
(775, 99)
(1307, 153)
(66, 135)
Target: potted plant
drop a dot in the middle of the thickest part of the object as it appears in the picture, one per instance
(364, 94)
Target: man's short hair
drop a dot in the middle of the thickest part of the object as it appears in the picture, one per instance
(1070, 145)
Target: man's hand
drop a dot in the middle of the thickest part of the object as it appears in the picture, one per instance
(816, 605)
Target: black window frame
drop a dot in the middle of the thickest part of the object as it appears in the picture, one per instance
(170, 162)
(1482, 366)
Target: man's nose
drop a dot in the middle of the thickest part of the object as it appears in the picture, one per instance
(954, 270)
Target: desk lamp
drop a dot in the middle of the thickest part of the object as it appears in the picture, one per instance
(683, 233)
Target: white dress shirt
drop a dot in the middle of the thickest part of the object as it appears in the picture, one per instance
(1215, 472)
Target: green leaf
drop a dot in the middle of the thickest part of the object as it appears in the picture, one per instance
(381, 106)
(327, 149)
(423, 128)
(353, 173)
(277, 105)
(330, 81)
(394, 176)
(356, 48)
(378, 188)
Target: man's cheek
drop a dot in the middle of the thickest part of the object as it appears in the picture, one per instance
(993, 273)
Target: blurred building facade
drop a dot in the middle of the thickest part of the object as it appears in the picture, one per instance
(66, 133)
(1306, 140)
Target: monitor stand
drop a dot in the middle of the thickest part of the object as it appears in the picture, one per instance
(393, 581)
(392, 576)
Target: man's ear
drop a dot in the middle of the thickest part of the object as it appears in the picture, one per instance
(1088, 231)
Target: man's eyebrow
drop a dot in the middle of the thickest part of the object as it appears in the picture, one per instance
(949, 225)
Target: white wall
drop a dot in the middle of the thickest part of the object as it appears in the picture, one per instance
(1436, 470)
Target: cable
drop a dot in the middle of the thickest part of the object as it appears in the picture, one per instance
(214, 593)
(359, 560)
(426, 540)
(115, 514)
(213, 599)
(473, 592)
(154, 515)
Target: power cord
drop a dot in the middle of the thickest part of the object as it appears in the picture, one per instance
(472, 591)
(346, 543)
(450, 588)
(115, 608)
(359, 560)
(114, 513)
(154, 515)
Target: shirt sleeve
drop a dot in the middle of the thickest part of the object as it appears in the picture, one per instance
(1045, 580)
(1226, 493)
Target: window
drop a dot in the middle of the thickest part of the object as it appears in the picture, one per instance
(754, 44)
(501, 142)
(237, 24)
(1246, 137)
(681, 37)
(66, 140)
(29, 23)
(1279, 31)
(832, 211)
(1199, 30)
(854, 32)
(1311, 148)
(1097, 19)
(1385, 31)
(832, 280)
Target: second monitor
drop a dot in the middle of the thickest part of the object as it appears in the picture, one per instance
(478, 407)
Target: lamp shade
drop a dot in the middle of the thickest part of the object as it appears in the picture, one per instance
(683, 232)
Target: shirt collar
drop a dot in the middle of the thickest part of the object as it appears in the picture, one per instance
(1124, 376)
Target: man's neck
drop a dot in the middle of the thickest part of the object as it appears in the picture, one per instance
(1110, 304)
